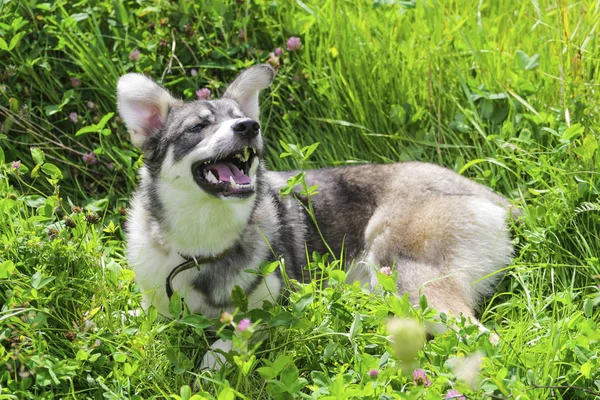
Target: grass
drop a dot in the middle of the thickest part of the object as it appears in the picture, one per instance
(503, 92)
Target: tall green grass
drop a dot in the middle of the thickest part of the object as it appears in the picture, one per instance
(503, 92)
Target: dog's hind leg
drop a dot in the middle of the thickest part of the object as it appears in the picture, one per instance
(449, 248)
(444, 292)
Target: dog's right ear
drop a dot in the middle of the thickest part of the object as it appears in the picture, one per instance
(143, 105)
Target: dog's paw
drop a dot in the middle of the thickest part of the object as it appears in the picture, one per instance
(214, 360)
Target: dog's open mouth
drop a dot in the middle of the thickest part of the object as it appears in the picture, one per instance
(232, 175)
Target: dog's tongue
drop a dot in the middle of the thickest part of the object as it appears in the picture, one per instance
(226, 170)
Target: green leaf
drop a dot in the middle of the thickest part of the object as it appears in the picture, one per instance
(268, 268)
(337, 275)
(267, 373)
(35, 172)
(197, 321)
(356, 325)
(100, 125)
(534, 62)
(185, 392)
(98, 205)
(289, 376)
(125, 275)
(37, 155)
(501, 374)
(2, 159)
(590, 145)
(52, 170)
(120, 357)
(226, 394)
(82, 355)
(522, 58)
(527, 63)
(18, 23)
(399, 306)
(239, 299)
(588, 308)
(86, 129)
(284, 318)
(152, 314)
(129, 369)
(309, 150)
(44, 6)
(175, 305)
(586, 369)
(423, 302)
(14, 42)
(6, 269)
(573, 131)
(3, 45)
(38, 281)
(243, 364)
(387, 282)
(281, 362)
(320, 378)
(80, 16)
(35, 201)
(67, 96)
(51, 110)
(284, 145)
(302, 303)
(296, 152)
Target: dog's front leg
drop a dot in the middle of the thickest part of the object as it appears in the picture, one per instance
(213, 360)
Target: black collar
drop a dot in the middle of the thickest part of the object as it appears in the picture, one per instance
(189, 263)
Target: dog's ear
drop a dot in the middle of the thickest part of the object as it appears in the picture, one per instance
(143, 105)
(244, 89)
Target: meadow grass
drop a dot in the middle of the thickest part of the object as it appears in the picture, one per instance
(504, 92)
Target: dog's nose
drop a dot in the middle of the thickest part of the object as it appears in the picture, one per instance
(247, 129)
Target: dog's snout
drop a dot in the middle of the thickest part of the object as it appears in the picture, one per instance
(247, 129)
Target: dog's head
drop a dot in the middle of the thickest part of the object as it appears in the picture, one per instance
(213, 146)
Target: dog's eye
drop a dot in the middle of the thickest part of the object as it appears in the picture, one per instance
(198, 127)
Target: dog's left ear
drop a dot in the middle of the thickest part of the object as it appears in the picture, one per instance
(244, 89)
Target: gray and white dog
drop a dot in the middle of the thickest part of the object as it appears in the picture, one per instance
(205, 194)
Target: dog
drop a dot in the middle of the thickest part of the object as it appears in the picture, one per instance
(205, 198)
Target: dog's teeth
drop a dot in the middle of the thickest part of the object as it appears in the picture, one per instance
(253, 167)
(210, 177)
(233, 184)
(242, 157)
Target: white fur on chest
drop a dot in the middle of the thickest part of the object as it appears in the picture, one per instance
(152, 258)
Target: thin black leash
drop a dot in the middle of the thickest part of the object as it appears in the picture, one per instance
(189, 263)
